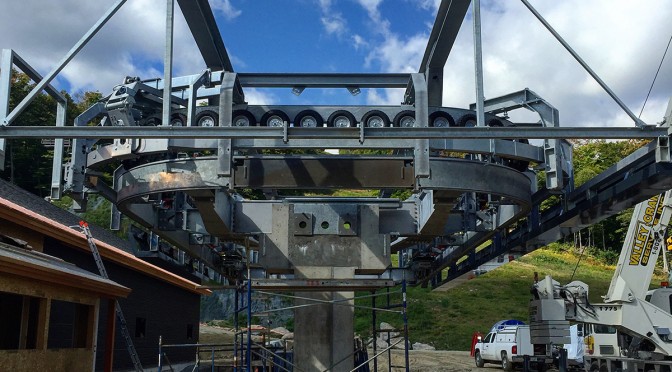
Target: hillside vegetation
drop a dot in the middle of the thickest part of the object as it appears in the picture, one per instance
(448, 319)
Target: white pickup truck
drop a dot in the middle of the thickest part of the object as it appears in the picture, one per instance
(508, 345)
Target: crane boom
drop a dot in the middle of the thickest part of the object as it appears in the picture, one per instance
(645, 237)
(646, 324)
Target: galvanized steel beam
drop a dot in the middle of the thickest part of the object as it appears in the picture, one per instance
(201, 22)
(323, 80)
(444, 32)
(647, 132)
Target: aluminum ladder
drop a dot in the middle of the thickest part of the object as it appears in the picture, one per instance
(84, 226)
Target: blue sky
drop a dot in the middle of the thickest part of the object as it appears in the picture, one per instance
(622, 40)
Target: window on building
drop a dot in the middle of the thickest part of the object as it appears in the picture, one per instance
(140, 327)
(83, 314)
(11, 308)
(15, 311)
(68, 325)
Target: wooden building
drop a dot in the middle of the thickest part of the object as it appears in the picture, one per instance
(49, 310)
(161, 303)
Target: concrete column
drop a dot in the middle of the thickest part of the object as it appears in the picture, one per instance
(324, 333)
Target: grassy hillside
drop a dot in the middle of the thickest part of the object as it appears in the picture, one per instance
(448, 319)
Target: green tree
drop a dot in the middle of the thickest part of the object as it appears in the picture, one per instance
(28, 163)
(591, 158)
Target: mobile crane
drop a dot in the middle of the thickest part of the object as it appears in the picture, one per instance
(642, 318)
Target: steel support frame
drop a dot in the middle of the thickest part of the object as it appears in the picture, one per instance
(8, 59)
(107, 132)
(201, 20)
(444, 32)
(628, 182)
(168, 64)
(557, 151)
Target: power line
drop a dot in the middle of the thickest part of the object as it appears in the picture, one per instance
(654, 78)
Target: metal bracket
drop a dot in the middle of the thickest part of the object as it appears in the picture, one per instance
(421, 151)
(663, 150)
(200, 80)
(227, 98)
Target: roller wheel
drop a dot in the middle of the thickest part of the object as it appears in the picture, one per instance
(376, 119)
(308, 119)
(274, 118)
(341, 119)
(178, 120)
(404, 119)
(440, 119)
(468, 120)
(207, 118)
(243, 118)
(495, 123)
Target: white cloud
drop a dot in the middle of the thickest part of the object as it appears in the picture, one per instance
(399, 55)
(131, 43)
(225, 8)
(334, 24)
(620, 40)
(358, 42)
(379, 24)
(259, 97)
(432, 5)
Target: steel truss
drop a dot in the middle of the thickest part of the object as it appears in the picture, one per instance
(181, 166)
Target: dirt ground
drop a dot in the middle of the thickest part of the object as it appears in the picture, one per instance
(419, 360)
(439, 361)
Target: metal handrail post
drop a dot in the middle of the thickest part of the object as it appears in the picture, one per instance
(248, 353)
(389, 351)
(405, 315)
(160, 351)
(235, 326)
(213, 360)
(375, 334)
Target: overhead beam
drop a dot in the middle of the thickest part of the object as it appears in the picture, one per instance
(201, 22)
(314, 80)
(446, 26)
(108, 132)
